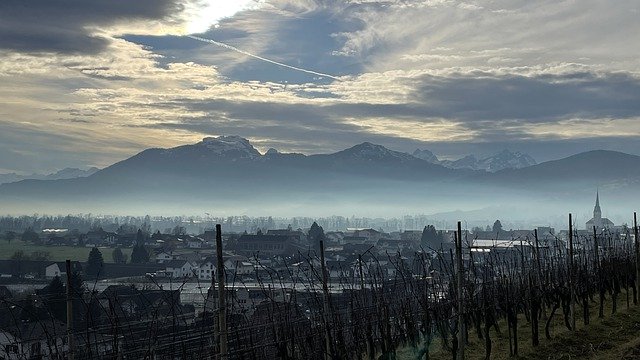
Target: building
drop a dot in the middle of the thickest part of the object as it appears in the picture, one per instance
(207, 269)
(33, 340)
(598, 221)
(164, 257)
(368, 236)
(267, 245)
(195, 243)
(60, 269)
(123, 303)
(100, 237)
(180, 269)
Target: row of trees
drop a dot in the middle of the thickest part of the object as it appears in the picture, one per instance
(95, 262)
(27, 236)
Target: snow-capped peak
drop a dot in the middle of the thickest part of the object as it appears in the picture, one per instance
(369, 151)
(500, 161)
(426, 155)
(235, 146)
(507, 160)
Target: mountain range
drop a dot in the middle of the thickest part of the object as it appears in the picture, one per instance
(500, 161)
(227, 174)
(66, 173)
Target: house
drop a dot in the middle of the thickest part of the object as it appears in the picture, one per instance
(245, 268)
(33, 340)
(371, 236)
(60, 269)
(190, 256)
(180, 269)
(244, 300)
(334, 237)
(339, 269)
(164, 257)
(396, 245)
(354, 240)
(126, 240)
(100, 237)
(128, 302)
(297, 236)
(266, 245)
(355, 248)
(411, 235)
(206, 270)
(195, 243)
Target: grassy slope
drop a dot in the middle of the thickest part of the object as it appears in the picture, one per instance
(58, 253)
(613, 337)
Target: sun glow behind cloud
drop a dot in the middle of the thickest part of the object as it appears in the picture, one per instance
(207, 13)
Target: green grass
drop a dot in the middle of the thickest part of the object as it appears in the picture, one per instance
(613, 337)
(57, 253)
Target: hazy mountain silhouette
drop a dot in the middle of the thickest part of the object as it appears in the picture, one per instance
(66, 173)
(229, 174)
(599, 166)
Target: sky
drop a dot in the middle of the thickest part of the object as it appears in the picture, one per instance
(89, 83)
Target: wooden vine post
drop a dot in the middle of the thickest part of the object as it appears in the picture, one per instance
(460, 293)
(572, 289)
(637, 250)
(69, 313)
(222, 296)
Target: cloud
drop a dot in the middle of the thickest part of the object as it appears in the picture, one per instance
(452, 76)
(395, 34)
(415, 107)
(75, 26)
(541, 98)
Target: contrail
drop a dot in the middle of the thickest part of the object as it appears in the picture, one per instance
(232, 48)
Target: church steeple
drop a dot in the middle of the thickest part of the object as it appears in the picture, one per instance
(597, 213)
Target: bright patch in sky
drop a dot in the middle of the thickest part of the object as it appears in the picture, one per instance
(207, 13)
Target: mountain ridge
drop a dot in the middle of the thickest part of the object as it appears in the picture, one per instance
(230, 173)
(504, 159)
(66, 173)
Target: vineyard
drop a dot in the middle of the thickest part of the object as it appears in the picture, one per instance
(464, 302)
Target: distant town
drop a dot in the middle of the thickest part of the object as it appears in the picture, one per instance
(127, 269)
(185, 250)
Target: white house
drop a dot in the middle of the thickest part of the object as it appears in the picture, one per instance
(60, 269)
(206, 271)
(180, 268)
(245, 268)
(164, 257)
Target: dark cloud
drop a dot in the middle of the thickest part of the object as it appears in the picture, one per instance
(60, 26)
(532, 99)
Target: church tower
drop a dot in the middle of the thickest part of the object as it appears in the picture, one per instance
(597, 213)
(598, 221)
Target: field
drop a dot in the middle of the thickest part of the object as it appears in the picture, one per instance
(57, 253)
(615, 336)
